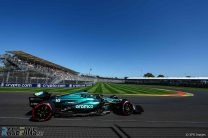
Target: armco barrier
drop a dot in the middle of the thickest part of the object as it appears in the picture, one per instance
(43, 85)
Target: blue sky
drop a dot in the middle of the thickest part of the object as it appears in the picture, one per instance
(113, 37)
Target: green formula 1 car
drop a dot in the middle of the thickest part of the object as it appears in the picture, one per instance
(78, 104)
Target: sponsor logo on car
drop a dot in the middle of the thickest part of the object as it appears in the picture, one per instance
(84, 106)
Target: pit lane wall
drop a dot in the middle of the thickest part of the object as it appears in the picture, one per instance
(38, 85)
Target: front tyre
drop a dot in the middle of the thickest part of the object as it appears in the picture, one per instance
(42, 112)
(126, 107)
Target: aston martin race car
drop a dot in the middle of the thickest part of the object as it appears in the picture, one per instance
(45, 105)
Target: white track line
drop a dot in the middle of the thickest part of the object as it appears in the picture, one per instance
(78, 119)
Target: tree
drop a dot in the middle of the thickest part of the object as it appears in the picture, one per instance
(149, 75)
(160, 76)
(2, 69)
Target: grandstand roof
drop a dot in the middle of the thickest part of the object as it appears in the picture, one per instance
(28, 57)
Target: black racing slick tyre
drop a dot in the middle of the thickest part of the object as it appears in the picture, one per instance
(125, 107)
(42, 112)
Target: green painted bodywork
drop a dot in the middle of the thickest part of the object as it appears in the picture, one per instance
(82, 101)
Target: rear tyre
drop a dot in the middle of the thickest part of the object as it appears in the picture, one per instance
(42, 112)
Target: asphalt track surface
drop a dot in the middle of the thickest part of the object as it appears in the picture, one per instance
(163, 117)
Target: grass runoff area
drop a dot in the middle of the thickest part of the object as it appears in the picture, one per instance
(107, 88)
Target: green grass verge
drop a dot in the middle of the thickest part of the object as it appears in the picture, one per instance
(108, 88)
(172, 87)
(99, 88)
(132, 89)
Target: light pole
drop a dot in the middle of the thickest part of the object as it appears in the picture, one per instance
(90, 71)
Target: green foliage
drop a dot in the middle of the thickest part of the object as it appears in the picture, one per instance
(160, 76)
(149, 75)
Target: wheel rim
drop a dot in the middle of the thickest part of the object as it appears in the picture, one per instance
(42, 112)
(127, 108)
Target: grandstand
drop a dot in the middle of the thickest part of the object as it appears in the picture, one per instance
(22, 67)
(110, 79)
(171, 81)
